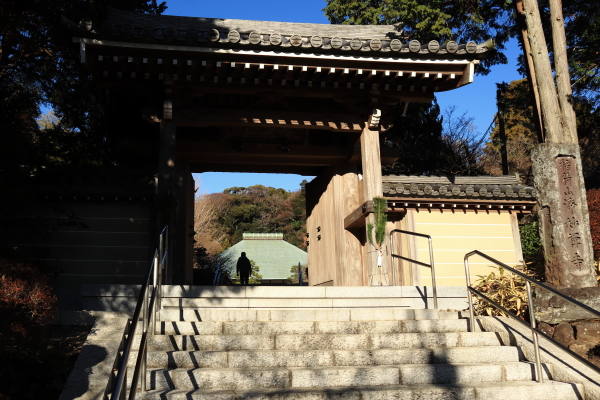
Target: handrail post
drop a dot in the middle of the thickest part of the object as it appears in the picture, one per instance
(532, 325)
(155, 287)
(148, 310)
(431, 265)
(435, 300)
(536, 346)
(161, 251)
(159, 289)
(469, 296)
(167, 266)
(143, 348)
(123, 393)
(393, 263)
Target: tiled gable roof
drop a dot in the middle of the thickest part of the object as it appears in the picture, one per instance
(274, 256)
(382, 40)
(457, 187)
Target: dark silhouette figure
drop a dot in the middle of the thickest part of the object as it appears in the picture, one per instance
(243, 268)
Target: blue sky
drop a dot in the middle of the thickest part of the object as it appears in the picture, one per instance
(478, 99)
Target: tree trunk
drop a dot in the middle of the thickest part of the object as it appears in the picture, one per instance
(551, 115)
(531, 77)
(562, 203)
(561, 66)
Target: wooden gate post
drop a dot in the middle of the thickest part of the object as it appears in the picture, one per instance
(184, 223)
(371, 187)
(166, 181)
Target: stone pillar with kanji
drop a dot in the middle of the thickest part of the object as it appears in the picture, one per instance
(563, 214)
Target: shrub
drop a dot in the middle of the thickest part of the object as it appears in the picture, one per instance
(27, 303)
(593, 199)
(530, 241)
(533, 251)
(255, 278)
(27, 307)
(506, 289)
(294, 278)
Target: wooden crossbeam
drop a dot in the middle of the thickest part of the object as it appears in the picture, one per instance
(269, 118)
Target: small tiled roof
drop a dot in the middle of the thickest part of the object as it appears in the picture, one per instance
(274, 256)
(499, 188)
(385, 40)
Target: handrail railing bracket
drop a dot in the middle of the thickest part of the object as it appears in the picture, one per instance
(149, 311)
(532, 321)
(430, 265)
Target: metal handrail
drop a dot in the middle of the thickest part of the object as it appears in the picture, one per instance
(149, 309)
(431, 265)
(217, 277)
(532, 322)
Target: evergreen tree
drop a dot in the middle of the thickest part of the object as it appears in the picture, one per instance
(261, 209)
(441, 20)
(255, 278)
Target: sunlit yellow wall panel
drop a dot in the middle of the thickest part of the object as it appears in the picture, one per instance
(454, 235)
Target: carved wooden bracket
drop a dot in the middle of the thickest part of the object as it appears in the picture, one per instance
(375, 118)
(168, 110)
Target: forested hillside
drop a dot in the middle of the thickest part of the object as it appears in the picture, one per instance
(222, 218)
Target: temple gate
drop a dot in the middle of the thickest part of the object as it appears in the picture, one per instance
(191, 95)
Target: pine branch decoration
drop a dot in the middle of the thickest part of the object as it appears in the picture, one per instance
(379, 209)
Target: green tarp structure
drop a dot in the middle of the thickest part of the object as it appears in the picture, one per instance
(274, 256)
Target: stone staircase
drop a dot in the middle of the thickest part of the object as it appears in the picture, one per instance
(334, 353)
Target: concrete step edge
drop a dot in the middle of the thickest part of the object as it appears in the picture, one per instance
(308, 314)
(317, 358)
(534, 391)
(244, 378)
(424, 366)
(310, 327)
(321, 341)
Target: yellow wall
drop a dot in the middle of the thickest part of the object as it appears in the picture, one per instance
(455, 234)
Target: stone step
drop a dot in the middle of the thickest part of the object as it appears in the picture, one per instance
(340, 314)
(319, 341)
(307, 327)
(328, 358)
(283, 303)
(488, 391)
(330, 377)
(122, 298)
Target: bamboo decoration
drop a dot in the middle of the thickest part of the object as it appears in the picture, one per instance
(379, 209)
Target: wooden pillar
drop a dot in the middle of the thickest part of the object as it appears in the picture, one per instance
(321, 238)
(334, 253)
(371, 187)
(349, 263)
(184, 224)
(165, 200)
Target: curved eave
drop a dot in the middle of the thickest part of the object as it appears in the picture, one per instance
(401, 205)
(272, 52)
(257, 36)
(408, 79)
(479, 52)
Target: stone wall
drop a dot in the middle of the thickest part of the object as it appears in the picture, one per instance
(581, 337)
